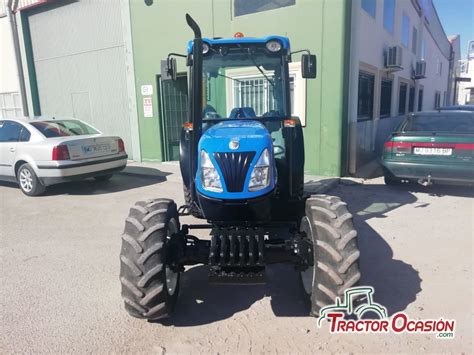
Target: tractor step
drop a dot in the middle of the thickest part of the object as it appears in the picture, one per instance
(237, 276)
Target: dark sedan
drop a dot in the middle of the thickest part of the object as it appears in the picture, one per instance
(431, 147)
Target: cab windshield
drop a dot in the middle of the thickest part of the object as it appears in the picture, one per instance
(242, 82)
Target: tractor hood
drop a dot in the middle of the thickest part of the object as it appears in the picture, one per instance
(235, 147)
(250, 135)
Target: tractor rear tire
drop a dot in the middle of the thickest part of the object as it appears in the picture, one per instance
(329, 226)
(149, 286)
(188, 201)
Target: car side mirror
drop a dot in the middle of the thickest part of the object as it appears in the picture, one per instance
(308, 66)
(168, 69)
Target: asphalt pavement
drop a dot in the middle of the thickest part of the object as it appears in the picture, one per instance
(60, 291)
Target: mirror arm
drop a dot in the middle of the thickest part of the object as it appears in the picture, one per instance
(177, 55)
(301, 50)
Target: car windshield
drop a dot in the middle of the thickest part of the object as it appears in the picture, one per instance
(457, 123)
(238, 84)
(63, 128)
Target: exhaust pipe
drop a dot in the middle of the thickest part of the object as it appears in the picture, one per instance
(195, 101)
(425, 182)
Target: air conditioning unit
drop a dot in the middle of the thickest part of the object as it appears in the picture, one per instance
(420, 70)
(393, 58)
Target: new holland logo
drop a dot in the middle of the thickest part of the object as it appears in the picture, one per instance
(234, 144)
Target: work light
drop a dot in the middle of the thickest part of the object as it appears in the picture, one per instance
(273, 46)
(205, 48)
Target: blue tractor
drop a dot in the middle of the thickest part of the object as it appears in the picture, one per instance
(242, 161)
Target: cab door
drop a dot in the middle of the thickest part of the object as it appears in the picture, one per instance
(9, 137)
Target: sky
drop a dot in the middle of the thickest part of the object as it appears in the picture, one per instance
(457, 17)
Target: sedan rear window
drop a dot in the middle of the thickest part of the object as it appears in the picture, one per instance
(63, 128)
(450, 123)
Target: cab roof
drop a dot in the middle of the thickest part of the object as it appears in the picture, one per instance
(242, 40)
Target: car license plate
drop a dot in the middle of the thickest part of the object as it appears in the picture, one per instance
(95, 148)
(432, 151)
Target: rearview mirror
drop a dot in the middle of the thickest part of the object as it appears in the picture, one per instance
(168, 69)
(308, 66)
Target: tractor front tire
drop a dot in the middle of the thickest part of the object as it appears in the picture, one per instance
(149, 286)
(328, 225)
(188, 201)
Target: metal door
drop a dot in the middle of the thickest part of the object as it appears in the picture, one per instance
(79, 58)
(174, 110)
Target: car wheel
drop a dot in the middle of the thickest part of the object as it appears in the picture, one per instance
(390, 179)
(29, 182)
(103, 177)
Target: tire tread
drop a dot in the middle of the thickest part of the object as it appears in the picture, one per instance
(142, 273)
(336, 252)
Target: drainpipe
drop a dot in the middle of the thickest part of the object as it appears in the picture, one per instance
(451, 76)
(353, 86)
(16, 44)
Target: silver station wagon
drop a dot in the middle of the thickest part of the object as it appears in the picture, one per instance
(37, 153)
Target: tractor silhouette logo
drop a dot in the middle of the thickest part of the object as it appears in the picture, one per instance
(361, 294)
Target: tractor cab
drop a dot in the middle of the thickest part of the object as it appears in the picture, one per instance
(247, 147)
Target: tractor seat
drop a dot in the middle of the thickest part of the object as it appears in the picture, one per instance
(242, 112)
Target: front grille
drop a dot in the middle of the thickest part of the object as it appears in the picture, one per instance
(234, 167)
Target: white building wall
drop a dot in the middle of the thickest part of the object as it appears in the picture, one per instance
(465, 88)
(455, 69)
(372, 39)
(10, 102)
(435, 80)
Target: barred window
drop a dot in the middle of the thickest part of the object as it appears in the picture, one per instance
(420, 100)
(411, 100)
(366, 96)
(402, 99)
(256, 92)
(385, 98)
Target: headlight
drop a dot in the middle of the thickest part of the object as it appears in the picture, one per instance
(260, 177)
(210, 179)
(273, 46)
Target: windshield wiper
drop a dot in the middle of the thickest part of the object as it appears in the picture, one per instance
(261, 71)
(234, 79)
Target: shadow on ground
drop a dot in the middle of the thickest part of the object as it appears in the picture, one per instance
(201, 302)
(396, 282)
(130, 178)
